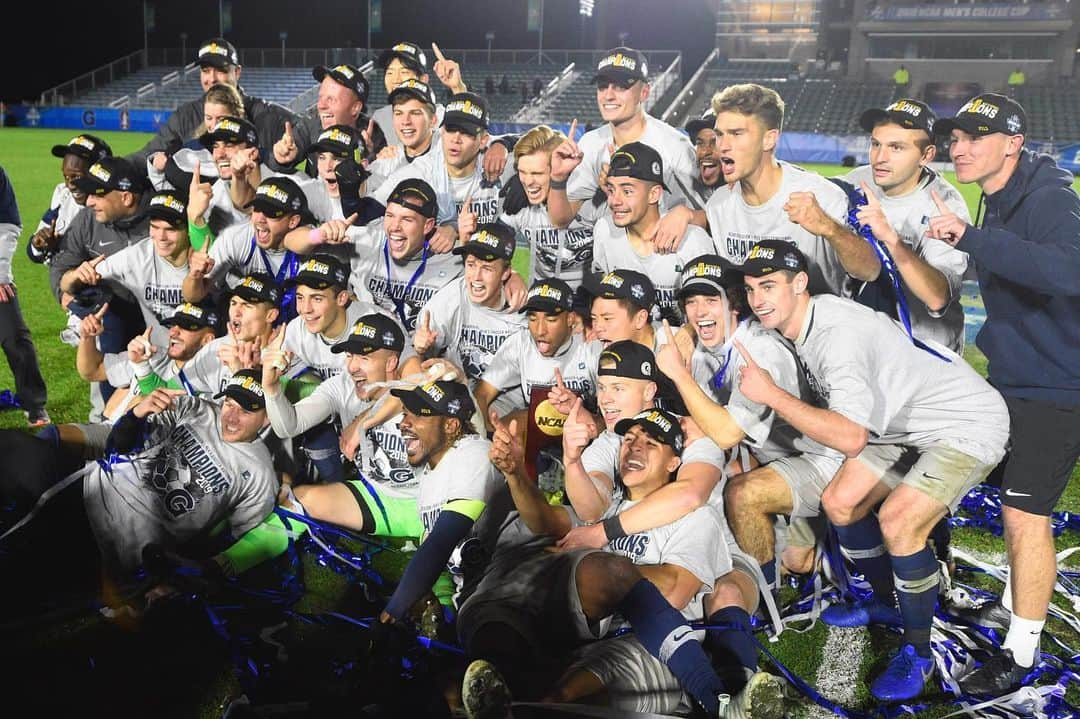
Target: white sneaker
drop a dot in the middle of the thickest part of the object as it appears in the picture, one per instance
(761, 698)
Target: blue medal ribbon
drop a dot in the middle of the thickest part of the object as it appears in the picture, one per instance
(399, 304)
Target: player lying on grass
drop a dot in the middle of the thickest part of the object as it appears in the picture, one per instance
(535, 604)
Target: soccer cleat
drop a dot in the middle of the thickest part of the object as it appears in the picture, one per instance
(998, 675)
(991, 615)
(862, 613)
(761, 698)
(904, 678)
(38, 417)
(484, 692)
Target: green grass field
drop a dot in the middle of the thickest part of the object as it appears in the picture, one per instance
(34, 172)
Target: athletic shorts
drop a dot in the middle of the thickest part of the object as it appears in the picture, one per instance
(1044, 449)
(940, 472)
(807, 476)
(635, 680)
(804, 532)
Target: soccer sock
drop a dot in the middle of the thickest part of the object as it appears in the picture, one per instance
(769, 570)
(862, 542)
(732, 649)
(666, 635)
(1023, 639)
(916, 578)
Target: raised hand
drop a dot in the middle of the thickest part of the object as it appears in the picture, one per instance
(87, 274)
(229, 352)
(443, 240)
(274, 360)
(947, 226)
(507, 452)
(755, 383)
(93, 325)
(46, 237)
(874, 217)
(285, 150)
(560, 396)
(139, 348)
(495, 157)
(199, 265)
(334, 232)
(566, 156)
(424, 338)
(160, 400)
(199, 195)
(803, 209)
(669, 359)
(467, 220)
(244, 161)
(448, 71)
(577, 433)
(367, 136)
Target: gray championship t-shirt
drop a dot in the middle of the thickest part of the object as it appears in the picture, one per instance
(556, 252)
(518, 367)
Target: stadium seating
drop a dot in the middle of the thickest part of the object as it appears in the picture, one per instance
(1053, 112)
(127, 85)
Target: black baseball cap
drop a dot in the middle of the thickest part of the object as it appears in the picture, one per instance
(338, 140)
(661, 425)
(347, 75)
(439, 398)
(258, 287)
(770, 256)
(621, 284)
(707, 120)
(86, 146)
(245, 387)
(707, 275)
(319, 272)
(110, 174)
(468, 111)
(491, 241)
(370, 333)
(168, 205)
(622, 63)
(633, 360)
(409, 190)
(551, 295)
(637, 160)
(986, 114)
(410, 55)
(231, 129)
(279, 196)
(217, 52)
(905, 112)
(416, 89)
(192, 317)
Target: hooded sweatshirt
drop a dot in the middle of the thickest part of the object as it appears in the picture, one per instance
(1027, 255)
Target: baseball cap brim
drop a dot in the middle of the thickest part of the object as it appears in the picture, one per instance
(184, 322)
(484, 252)
(463, 122)
(164, 213)
(700, 286)
(245, 399)
(89, 185)
(415, 402)
(617, 73)
(77, 150)
(543, 304)
(870, 119)
(217, 61)
(248, 294)
(356, 346)
(411, 92)
(971, 126)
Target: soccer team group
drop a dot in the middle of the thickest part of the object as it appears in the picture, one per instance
(717, 357)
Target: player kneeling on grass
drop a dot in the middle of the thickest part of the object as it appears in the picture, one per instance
(795, 469)
(640, 578)
(177, 469)
(918, 428)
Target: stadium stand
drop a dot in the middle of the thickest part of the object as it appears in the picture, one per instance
(1053, 111)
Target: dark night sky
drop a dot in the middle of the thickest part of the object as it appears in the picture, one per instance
(108, 31)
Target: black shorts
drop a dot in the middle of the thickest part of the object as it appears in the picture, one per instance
(1044, 448)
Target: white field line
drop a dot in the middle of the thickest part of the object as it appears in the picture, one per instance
(838, 673)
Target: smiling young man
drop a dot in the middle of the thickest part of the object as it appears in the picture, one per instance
(702, 133)
(153, 270)
(530, 359)
(407, 61)
(627, 239)
(255, 247)
(900, 188)
(765, 198)
(233, 144)
(414, 109)
(918, 428)
(469, 319)
(621, 308)
(561, 252)
(1026, 252)
(622, 86)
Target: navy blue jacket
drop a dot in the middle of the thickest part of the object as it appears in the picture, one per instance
(1027, 255)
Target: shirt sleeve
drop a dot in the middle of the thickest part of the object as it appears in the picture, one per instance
(602, 457)
(582, 183)
(289, 420)
(474, 477)
(504, 372)
(698, 545)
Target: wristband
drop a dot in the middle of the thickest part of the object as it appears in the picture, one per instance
(315, 237)
(141, 369)
(554, 184)
(613, 528)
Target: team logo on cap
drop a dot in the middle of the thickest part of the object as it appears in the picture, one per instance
(659, 420)
(252, 284)
(612, 280)
(656, 168)
(214, 49)
(247, 383)
(483, 237)
(190, 310)
(704, 269)
(547, 291)
(337, 135)
(364, 330)
(345, 70)
(100, 173)
(905, 107)
(466, 107)
(272, 192)
(168, 201)
(646, 367)
(1013, 123)
(388, 338)
(432, 390)
(759, 252)
(637, 291)
(978, 106)
(81, 141)
(619, 60)
(791, 260)
(410, 50)
(227, 125)
(315, 266)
